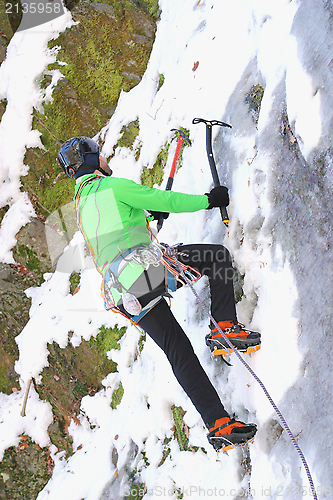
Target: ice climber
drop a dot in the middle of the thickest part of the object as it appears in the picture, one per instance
(113, 215)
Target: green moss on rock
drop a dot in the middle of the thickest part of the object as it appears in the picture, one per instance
(161, 80)
(8, 24)
(74, 282)
(31, 250)
(253, 100)
(25, 470)
(105, 53)
(129, 134)
(73, 373)
(180, 428)
(154, 175)
(150, 6)
(117, 396)
(14, 314)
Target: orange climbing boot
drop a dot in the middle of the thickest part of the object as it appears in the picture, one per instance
(242, 339)
(227, 433)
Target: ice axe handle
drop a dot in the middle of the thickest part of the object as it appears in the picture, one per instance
(216, 180)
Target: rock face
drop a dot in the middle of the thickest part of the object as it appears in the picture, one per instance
(106, 52)
(14, 314)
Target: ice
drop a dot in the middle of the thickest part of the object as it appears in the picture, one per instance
(278, 167)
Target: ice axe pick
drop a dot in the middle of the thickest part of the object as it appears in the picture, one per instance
(216, 180)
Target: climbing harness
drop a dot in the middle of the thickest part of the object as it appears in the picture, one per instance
(142, 257)
(171, 254)
(114, 289)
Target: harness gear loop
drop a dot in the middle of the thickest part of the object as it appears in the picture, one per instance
(155, 254)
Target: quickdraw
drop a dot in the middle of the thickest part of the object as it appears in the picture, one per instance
(172, 265)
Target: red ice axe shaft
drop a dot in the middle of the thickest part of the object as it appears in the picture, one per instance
(181, 138)
(216, 180)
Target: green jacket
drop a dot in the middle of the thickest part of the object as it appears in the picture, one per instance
(112, 217)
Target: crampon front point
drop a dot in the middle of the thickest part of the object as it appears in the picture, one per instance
(227, 351)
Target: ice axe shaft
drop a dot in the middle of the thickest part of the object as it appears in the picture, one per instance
(216, 180)
(181, 138)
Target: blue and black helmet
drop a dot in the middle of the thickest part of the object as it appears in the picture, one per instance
(79, 152)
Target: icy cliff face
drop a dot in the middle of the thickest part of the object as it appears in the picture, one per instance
(299, 183)
(292, 182)
(265, 68)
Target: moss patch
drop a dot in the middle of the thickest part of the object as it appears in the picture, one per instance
(74, 373)
(289, 135)
(238, 285)
(166, 451)
(25, 470)
(14, 314)
(9, 24)
(184, 145)
(181, 431)
(31, 250)
(137, 491)
(154, 175)
(149, 6)
(3, 212)
(129, 134)
(141, 343)
(29, 258)
(117, 396)
(161, 80)
(8, 376)
(74, 282)
(253, 100)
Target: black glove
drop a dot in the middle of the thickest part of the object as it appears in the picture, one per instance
(158, 215)
(218, 197)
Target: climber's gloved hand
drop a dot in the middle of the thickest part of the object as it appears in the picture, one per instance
(158, 215)
(218, 197)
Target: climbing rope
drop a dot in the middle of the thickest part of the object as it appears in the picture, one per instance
(172, 252)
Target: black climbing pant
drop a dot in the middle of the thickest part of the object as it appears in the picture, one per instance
(213, 261)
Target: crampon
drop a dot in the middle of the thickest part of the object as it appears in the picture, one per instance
(242, 339)
(228, 433)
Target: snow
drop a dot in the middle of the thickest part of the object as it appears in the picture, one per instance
(27, 58)
(280, 237)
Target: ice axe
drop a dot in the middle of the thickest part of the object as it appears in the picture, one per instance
(181, 138)
(216, 180)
